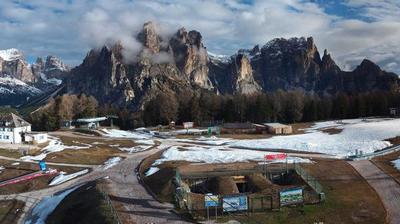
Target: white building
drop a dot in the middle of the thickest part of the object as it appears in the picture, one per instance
(35, 137)
(13, 128)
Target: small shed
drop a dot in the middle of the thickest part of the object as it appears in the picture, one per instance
(278, 128)
(239, 128)
(35, 137)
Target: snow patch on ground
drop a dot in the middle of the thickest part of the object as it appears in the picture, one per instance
(46, 206)
(134, 149)
(145, 142)
(152, 170)
(114, 133)
(358, 134)
(62, 177)
(396, 163)
(54, 145)
(208, 140)
(217, 155)
(15, 164)
(111, 162)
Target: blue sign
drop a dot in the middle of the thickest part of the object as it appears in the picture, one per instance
(42, 165)
(210, 200)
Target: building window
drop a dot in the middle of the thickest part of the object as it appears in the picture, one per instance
(6, 137)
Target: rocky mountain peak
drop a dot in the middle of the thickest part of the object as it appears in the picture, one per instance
(11, 54)
(244, 82)
(54, 63)
(368, 65)
(195, 38)
(149, 37)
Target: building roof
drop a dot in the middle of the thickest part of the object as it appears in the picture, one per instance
(276, 125)
(90, 120)
(12, 120)
(238, 126)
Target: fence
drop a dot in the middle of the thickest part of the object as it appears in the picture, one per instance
(310, 180)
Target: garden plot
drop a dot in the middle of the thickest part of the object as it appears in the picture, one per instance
(367, 135)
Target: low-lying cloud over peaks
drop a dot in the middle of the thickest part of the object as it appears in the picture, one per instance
(69, 28)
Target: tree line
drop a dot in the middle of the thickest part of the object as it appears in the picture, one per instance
(207, 108)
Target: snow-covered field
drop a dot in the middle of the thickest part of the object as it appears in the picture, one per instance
(208, 140)
(357, 134)
(114, 133)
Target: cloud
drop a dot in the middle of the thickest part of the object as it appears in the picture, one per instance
(70, 28)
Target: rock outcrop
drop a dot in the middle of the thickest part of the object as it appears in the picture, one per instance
(181, 64)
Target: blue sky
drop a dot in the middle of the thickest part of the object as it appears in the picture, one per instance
(351, 30)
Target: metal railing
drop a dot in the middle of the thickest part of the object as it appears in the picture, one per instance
(310, 180)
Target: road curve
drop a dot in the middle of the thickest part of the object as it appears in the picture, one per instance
(138, 203)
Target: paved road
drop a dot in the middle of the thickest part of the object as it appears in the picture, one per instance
(138, 203)
(386, 187)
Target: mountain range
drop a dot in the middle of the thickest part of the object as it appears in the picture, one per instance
(181, 64)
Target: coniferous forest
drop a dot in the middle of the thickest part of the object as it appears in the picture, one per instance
(207, 109)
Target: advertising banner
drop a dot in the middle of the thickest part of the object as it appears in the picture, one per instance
(276, 156)
(235, 203)
(291, 196)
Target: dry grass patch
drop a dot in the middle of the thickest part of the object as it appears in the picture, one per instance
(93, 156)
(332, 131)
(298, 128)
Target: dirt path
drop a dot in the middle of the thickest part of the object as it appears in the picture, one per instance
(386, 187)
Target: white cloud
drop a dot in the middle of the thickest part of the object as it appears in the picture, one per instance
(70, 28)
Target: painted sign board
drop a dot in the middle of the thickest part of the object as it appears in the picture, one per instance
(291, 196)
(275, 156)
(235, 203)
(210, 200)
(187, 125)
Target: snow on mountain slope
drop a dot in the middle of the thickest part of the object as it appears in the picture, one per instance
(219, 57)
(11, 54)
(52, 81)
(10, 85)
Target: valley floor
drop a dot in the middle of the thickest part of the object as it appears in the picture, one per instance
(113, 158)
